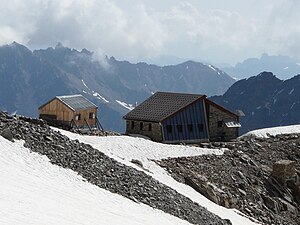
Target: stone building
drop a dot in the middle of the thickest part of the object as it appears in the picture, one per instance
(71, 111)
(182, 118)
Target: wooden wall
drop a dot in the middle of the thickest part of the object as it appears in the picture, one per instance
(85, 115)
(64, 113)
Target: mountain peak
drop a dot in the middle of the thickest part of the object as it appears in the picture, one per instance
(85, 51)
(59, 45)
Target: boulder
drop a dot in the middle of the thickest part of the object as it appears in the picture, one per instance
(283, 170)
(7, 134)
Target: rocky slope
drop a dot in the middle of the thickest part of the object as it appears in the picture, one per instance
(266, 101)
(28, 79)
(103, 171)
(249, 177)
(283, 66)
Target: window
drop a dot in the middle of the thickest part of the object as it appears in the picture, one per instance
(220, 123)
(169, 129)
(78, 117)
(141, 126)
(150, 126)
(132, 124)
(91, 115)
(190, 128)
(179, 128)
(200, 127)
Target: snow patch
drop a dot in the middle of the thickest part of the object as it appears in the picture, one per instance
(285, 68)
(125, 105)
(34, 191)
(266, 132)
(96, 94)
(291, 91)
(124, 149)
(293, 105)
(210, 66)
(85, 84)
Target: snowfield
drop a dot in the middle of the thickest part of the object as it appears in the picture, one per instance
(125, 148)
(34, 191)
(266, 132)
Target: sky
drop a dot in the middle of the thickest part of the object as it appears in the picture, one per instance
(216, 30)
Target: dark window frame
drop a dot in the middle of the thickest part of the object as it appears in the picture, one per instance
(78, 117)
(91, 115)
(179, 128)
(141, 125)
(190, 128)
(150, 127)
(169, 129)
(200, 127)
(220, 123)
(132, 125)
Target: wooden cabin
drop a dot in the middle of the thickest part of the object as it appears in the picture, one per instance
(182, 118)
(70, 111)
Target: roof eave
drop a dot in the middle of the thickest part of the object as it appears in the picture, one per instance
(222, 108)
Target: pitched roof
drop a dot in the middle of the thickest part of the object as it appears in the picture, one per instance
(161, 105)
(74, 102)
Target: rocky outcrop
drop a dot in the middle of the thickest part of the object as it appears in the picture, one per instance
(98, 169)
(259, 177)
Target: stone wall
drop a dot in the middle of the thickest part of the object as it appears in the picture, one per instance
(155, 132)
(222, 133)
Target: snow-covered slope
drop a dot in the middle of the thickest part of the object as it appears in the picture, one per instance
(266, 132)
(124, 149)
(34, 191)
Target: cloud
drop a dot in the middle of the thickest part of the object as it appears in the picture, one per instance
(139, 29)
(283, 29)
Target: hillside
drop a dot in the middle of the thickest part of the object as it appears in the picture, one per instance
(133, 176)
(266, 101)
(28, 79)
(258, 176)
(34, 191)
(120, 174)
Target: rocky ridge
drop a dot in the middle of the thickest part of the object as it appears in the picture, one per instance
(258, 176)
(98, 169)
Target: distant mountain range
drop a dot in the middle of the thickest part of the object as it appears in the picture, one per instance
(284, 67)
(266, 101)
(29, 79)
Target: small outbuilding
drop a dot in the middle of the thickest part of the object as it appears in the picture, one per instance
(182, 118)
(70, 111)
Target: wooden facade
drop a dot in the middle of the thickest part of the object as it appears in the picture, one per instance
(73, 111)
(192, 119)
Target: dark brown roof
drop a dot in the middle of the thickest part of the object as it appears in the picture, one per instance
(74, 102)
(161, 105)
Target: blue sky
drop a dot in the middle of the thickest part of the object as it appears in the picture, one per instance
(217, 31)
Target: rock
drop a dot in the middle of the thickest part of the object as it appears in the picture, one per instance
(270, 203)
(242, 192)
(7, 134)
(283, 170)
(288, 206)
(137, 162)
